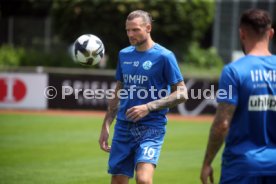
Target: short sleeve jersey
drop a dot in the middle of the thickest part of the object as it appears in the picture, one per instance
(251, 142)
(146, 76)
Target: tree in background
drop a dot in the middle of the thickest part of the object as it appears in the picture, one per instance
(176, 23)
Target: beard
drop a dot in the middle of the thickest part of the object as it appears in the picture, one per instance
(139, 43)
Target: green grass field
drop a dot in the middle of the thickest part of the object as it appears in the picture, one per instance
(57, 149)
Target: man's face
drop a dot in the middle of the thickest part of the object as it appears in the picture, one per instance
(137, 31)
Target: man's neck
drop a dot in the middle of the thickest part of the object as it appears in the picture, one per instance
(145, 46)
(259, 49)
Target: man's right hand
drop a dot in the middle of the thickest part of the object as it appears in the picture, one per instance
(207, 173)
(103, 140)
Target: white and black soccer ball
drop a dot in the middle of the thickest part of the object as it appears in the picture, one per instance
(88, 50)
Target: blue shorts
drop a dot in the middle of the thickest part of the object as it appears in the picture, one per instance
(248, 180)
(133, 143)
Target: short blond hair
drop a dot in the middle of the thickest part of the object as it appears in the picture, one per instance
(147, 18)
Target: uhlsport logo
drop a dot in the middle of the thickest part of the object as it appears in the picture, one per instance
(12, 90)
(147, 65)
(262, 103)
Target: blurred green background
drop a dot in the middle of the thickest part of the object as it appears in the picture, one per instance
(39, 33)
(202, 33)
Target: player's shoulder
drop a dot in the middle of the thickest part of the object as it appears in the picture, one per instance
(250, 61)
(127, 49)
(162, 50)
(240, 64)
(236, 67)
(240, 61)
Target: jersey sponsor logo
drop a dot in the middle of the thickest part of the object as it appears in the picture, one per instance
(147, 65)
(263, 75)
(262, 103)
(135, 79)
(127, 62)
(134, 63)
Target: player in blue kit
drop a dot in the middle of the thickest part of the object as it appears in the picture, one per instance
(248, 118)
(148, 83)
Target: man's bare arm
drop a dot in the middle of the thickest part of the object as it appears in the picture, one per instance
(113, 106)
(178, 95)
(108, 119)
(218, 131)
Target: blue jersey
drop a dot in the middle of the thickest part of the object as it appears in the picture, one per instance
(250, 147)
(146, 76)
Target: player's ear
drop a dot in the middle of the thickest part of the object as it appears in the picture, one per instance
(271, 33)
(148, 28)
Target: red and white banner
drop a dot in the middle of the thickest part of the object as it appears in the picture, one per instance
(23, 91)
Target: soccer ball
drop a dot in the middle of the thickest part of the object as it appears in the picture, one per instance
(88, 50)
